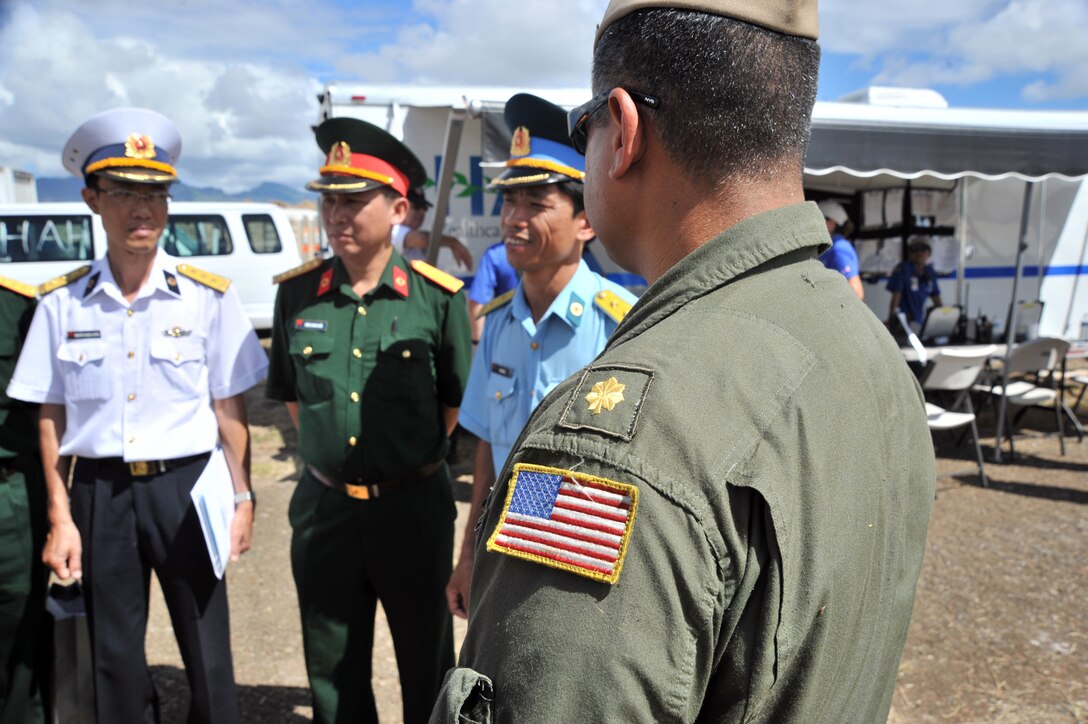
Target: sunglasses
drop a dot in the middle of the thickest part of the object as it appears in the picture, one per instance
(578, 118)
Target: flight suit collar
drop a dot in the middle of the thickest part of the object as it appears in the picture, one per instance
(569, 305)
(793, 231)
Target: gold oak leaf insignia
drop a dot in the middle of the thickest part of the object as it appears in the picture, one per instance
(605, 395)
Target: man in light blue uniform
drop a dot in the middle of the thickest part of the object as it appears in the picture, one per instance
(553, 323)
(841, 257)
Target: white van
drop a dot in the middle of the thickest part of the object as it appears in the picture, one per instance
(247, 243)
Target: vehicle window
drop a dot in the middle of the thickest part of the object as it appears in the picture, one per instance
(45, 238)
(196, 235)
(261, 230)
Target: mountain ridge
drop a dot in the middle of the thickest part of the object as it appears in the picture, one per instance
(68, 189)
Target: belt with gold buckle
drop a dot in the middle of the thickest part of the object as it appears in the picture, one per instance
(368, 491)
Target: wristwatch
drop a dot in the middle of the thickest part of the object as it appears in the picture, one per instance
(243, 497)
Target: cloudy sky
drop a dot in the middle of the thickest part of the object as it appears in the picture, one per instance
(240, 77)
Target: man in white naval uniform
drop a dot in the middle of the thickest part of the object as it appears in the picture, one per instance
(139, 363)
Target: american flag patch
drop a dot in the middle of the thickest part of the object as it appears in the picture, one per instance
(566, 520)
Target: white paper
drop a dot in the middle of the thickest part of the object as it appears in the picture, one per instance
(213, 497)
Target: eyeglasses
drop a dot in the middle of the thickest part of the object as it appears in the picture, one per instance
(577, 118)
(131, 198)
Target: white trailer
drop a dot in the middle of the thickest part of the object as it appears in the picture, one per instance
(17, 187)
(966, 176)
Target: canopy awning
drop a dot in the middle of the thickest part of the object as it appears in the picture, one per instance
(947, 143)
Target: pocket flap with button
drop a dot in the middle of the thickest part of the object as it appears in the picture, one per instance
(501, 387)
(177, 350)
(306, 345)
(404, 348)
(81, 353)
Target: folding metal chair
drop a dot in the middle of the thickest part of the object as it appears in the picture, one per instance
(1037, 361)
(956, 371)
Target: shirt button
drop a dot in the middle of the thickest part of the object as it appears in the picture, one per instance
(357, 352)
(131, 440)
(354, 396)
(352, 441)
(534, 345)
(406, 354)
(362, 311)
(307, 350)
(498, 395)
(130, 312)
(131, 355)
(131, 396)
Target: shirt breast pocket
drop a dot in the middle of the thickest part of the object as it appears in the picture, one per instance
(502, 407)
(177, 367)
(403, 371)
(83, 369)
(310, 353)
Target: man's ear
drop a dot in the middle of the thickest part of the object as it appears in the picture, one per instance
(398, 210)
(626, 133)
(90, 197)
(585, 232)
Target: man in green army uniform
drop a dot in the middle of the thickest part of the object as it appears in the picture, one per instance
(371, 354)
(723, 517)
(24, 648)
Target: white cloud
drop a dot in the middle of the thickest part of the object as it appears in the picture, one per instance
(240, 78)
(530, 43)
(931, 42)
(241, 123)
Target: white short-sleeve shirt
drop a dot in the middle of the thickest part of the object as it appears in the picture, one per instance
(137, 380)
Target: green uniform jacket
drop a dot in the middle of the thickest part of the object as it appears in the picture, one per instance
(370, 375)
(18, 420)
(25, 642)
(784, 473)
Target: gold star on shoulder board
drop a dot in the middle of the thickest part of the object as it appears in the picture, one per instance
(605, 395)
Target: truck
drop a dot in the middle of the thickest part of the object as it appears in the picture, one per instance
(1002, 193)
(248, 243)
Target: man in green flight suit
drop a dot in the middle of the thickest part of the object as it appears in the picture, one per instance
(24, 649)
(723, 517)
(371, 354)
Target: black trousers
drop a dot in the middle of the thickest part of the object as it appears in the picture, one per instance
(130, 526)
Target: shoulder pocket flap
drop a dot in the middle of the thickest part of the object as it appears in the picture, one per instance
(81, 353)
(177, 351)
(305, 345)
(404, 348)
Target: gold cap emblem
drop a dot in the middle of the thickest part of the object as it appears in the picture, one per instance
(340, 154)
(519, 145)
(138, 145)
(605, 395)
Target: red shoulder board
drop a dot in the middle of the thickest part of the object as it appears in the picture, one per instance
(447, 281)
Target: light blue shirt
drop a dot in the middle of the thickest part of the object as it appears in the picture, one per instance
(518, 361)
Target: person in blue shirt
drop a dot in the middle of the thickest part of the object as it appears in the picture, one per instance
(914, 281)
(494, 277)
(553, 323)
(841, 256)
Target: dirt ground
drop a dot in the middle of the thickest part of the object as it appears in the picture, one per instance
(1000, 627)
